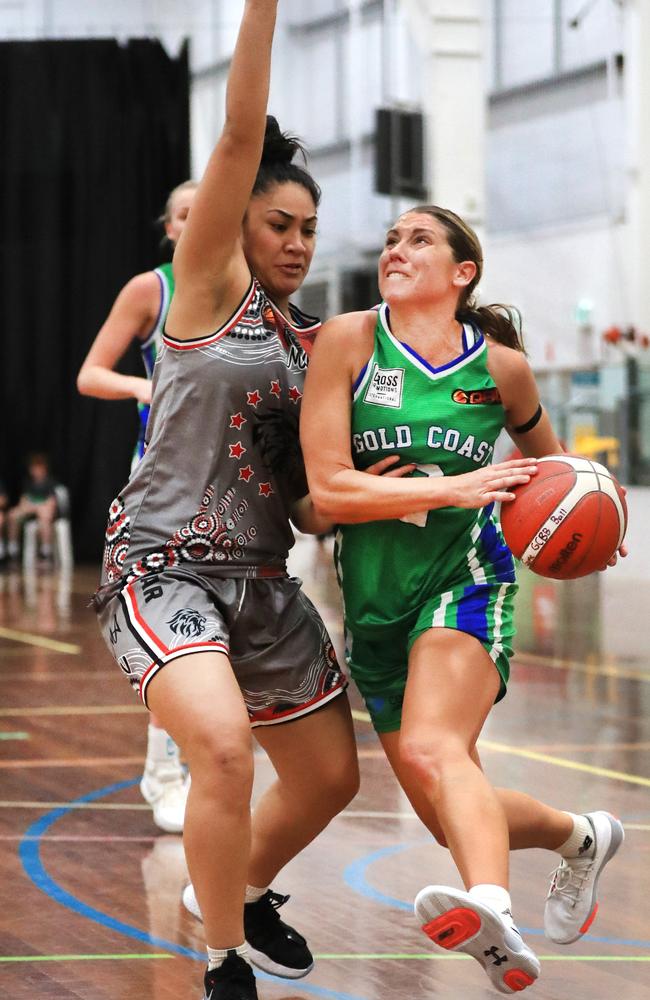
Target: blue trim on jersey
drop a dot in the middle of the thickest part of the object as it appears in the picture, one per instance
(149, 357)
(359, 379)
(450, 364)
(147, 341)
(471, 610)
(462, 357)
(494, 551)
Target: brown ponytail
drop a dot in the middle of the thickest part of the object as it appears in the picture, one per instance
(502, 323)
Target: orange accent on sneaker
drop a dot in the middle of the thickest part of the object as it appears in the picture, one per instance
(518, 980)
(589, 921)
(454, 927)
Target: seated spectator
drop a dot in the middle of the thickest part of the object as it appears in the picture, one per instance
(38, 499)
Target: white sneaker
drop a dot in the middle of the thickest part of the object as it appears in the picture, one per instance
(456, 921)
(190, 901)
(166, 788)
(572, 901)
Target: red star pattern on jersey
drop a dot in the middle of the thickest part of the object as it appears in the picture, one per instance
(237, 419)
(266, 490)
(254, 398)
(236, 450)
(275, 388)
(245, 473)
(294, 394)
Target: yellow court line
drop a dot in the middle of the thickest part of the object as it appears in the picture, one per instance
(73, 710)
(82, 958)
(39, 640)
(573, 765)
(557, 663)
(45, 677)
(26, 762)
(587, 747)
(544, 758)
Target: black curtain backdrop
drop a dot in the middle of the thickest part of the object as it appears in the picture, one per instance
(94, 134)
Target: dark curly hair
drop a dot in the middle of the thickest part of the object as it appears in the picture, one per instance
(277, 166)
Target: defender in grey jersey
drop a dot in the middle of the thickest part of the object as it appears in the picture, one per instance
(196, 604)
(200, 517)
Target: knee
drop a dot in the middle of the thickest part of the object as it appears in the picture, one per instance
(339, 782)
(221, 761)
(427, 760)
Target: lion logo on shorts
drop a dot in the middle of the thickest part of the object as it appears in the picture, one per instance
(188, 623)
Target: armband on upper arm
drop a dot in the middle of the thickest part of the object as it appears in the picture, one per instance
(533, 422)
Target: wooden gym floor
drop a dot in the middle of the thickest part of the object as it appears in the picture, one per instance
(90, 890)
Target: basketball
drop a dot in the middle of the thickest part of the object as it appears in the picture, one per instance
(568, 521)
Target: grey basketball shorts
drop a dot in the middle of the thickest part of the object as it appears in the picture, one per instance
(280, 651)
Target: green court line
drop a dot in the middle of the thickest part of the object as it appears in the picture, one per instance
(14, 736)
(77, 958)
(31, 639)
(430, 956)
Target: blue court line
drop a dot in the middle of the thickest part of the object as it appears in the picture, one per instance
(355, 877)
(29, 853)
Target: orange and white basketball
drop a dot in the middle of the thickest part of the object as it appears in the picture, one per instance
(569, 520)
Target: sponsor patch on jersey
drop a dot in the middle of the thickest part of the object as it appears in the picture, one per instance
(385, 387)
(476, 397)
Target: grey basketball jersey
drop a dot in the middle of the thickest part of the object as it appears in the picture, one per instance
(223, 462)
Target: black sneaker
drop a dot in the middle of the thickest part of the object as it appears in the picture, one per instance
(234, 980)
(273, 946)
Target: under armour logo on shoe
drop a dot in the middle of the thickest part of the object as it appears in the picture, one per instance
(494, 953)
(586, 844)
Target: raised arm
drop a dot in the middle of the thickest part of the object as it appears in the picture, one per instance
(132, 316)
(340, 492)
(209, 266)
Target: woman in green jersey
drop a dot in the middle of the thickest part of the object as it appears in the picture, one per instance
(428, 583)
(138, 314)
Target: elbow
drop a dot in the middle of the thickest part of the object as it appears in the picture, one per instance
(83, 386)
(332, 505)
(324, 502)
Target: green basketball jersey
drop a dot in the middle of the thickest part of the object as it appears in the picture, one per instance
(149, 349)
(446, 421)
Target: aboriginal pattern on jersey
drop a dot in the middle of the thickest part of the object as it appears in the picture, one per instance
(223, 462)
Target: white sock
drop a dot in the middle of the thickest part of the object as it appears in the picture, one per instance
(161, 748)
(217, 956)
(253, 893)
(13, 549)
(581, 843)
(497, 898)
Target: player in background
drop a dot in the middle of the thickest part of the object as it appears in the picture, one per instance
(428, 583)
(138, 315)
